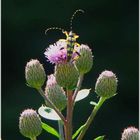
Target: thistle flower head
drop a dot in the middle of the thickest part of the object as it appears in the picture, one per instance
(85, 61)
(66, 75)
(55, 93)
(106, 85)
(130, 133)
(35, 74)
(56, 53)
(30, 123)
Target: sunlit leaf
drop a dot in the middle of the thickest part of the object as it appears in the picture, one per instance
(99, 138)
(50, 130)
(77, 131)
(82, 94)
(48, 113)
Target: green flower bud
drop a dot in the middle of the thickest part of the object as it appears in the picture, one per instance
(30, 124)
(35, 74)
(130, 133)
(66, 75)
(85, 61)
(55, 93)
(106, 85)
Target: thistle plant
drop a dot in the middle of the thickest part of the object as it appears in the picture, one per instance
(63, 90)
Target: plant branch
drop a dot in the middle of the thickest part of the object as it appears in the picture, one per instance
(81, 77)
(68, 124)
(51, 104)
(91, 118)
(60, 126)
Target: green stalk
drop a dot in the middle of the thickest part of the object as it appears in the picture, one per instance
(61, 132)
(81, 77)
(34, 138)
(91, 118)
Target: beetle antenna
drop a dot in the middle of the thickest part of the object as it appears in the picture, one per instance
(53, 28)
(71, 20)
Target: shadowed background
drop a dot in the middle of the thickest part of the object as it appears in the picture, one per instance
(109, 27)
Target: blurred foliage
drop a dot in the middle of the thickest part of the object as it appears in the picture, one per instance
(109, 27)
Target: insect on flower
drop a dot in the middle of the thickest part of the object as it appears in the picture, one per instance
(70, 39)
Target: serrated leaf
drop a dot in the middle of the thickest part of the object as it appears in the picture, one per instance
(99, 138)
(82, 94)
(50, 130)
(48, 113)
(93, 103)
(77, 131)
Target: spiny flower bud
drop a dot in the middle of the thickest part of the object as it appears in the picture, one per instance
(85, 61)
(35, 74)
(130, 133)
(66, 75)
(106, 85)
(55, 93)
(30, 124)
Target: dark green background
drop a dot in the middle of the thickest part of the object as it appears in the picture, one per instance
(109, 27)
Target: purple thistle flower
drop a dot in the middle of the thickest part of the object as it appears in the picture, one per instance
(57, 53)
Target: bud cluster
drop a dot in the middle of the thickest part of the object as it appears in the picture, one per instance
(67, 72)
(64, 84)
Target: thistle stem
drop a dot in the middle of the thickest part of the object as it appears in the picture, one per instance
(68, 124)
(51, 105)
(34, 138)
(70, 105)
(61, 132)
(81, 77)
(91, 118)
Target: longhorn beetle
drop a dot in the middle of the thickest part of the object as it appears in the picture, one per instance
(70, 37)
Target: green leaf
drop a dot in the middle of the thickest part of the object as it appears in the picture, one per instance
(99, 138)
(93, 103)
(78, 131)
(82, 94)
(48, 113)
(50, 130)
